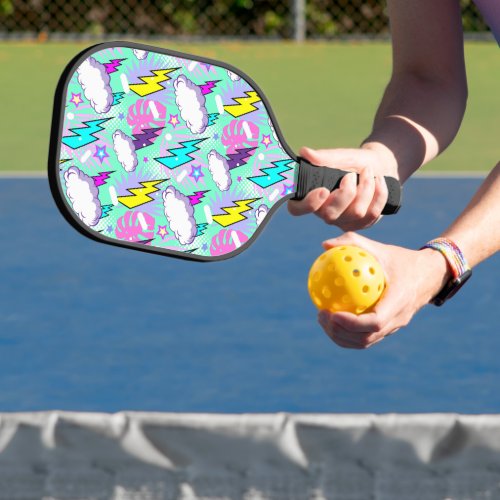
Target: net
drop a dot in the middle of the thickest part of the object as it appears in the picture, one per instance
(159, 456)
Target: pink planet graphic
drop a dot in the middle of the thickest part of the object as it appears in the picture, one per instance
(135, 226)
(240, 134)
(222, 242)
(146, 113)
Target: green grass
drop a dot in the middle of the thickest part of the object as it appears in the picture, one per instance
(323, 94)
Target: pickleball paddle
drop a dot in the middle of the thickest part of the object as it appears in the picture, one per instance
(171, 153)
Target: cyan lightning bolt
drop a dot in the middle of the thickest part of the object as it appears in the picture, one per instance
(196, 198)
(151, 83)
(239, 158)
(105, 210)
(201, 228)
(212, 118)
(101, 179)
(207, 87)
(140, 196)
(117, 98)
(112, 65)
(84, 135)
(245, 104)
(146, 137)
(181, 155)
(234, 214)
(272, 175)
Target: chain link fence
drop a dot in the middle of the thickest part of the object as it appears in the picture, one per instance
(284, 19)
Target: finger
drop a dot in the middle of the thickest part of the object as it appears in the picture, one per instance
(362, 324)
(362, 340)
(353, 159)
(338, 334)
(380, 195)
(338, 201)
(365, 191)
(311, 203)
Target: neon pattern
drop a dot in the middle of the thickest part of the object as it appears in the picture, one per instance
(169, 152)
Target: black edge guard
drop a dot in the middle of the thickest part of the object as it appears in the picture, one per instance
(311, 177)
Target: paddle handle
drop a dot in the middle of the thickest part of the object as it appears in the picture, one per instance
(311, 177)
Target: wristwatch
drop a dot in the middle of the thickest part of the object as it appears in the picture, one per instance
(460, 270)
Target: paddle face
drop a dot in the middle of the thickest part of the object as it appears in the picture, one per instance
(160, 151)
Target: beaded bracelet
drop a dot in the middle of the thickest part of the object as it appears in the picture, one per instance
(460, 269)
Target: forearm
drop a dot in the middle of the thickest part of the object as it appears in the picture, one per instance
(416, 120)
(477, 230)
(424, 103)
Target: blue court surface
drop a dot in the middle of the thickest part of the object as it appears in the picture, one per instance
(91, 327)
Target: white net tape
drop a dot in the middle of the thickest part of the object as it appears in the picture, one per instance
(160, 456)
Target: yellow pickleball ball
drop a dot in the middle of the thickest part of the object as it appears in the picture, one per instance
(346, 278)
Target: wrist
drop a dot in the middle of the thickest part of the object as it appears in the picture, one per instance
(437, 272)
(386, 157)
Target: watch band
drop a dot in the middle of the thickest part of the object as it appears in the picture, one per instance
(458, 265)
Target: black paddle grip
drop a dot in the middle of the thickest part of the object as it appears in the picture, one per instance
(311, 177)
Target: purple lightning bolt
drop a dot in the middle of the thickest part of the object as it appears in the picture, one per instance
(207, 87)
(112, 65)
(101, 179)
(196, 198)
(146, 137)
(239, 158)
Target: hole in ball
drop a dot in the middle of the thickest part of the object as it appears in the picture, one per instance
(348, 258)
(356, 273)
(372, 270)
(366, 289)
(362, 254)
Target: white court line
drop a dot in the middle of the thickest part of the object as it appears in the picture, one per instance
(455, 174)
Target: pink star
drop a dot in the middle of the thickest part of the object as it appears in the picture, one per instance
(266, 140)
(174, 120)
(76, 99)
(162, 231)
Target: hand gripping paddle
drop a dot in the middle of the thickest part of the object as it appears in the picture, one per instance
(171, 153)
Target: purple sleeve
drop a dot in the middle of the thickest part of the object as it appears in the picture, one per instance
(490, 9)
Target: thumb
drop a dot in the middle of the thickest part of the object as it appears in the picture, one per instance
(349, 238)
(338, 158)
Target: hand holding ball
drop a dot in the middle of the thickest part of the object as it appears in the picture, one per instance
(346, 278)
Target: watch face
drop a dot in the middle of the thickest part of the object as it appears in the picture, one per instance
(451, 288)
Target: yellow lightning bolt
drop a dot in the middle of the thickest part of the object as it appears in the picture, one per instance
(245, 104)
(151, 83)
(140, 196)
(234, 214)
